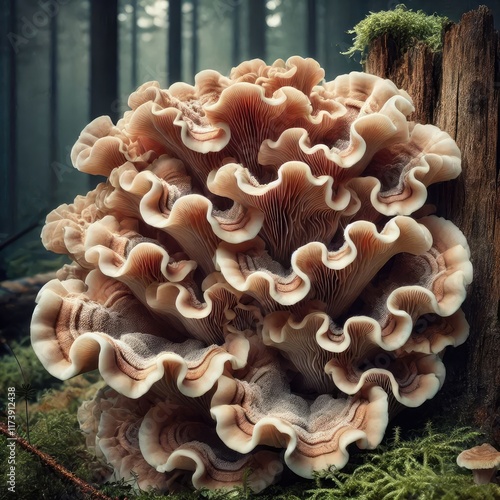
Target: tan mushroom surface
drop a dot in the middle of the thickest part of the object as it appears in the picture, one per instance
(165, 442)
(483, 460)
(252, 277)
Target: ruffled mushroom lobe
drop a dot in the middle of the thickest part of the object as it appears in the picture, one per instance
(315, 434)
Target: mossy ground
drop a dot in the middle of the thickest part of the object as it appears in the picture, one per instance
(29, 259)
(417, 465)
(403, 25)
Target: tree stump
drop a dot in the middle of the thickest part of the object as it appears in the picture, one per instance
(458, 90)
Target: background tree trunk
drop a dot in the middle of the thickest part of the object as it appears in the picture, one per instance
(174, 65)
(312, 28)
(257, 29)
(236, 27)
(103, 64)
(103, 58)
(458, 90)
(8, 126)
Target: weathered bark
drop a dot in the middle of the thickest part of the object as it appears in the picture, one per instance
(413, 71)
(458, 90)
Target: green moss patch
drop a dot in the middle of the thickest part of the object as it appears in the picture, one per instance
(403, 25)
(420, 468)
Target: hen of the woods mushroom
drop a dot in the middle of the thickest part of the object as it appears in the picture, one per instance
(258, 280)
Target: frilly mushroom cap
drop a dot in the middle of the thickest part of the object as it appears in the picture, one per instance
(260, 409)
(255, 262)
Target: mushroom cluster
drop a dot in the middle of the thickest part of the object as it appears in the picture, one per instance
(258, 281)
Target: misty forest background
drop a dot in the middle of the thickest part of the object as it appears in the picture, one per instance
(64, 62)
